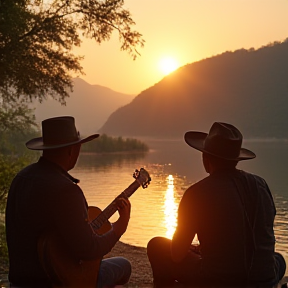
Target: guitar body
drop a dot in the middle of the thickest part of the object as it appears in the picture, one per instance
(93, 212)
(60, 265)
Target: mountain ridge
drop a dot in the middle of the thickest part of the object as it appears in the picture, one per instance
(91, 105)
(247, 88)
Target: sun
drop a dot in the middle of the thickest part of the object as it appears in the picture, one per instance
(168, 65)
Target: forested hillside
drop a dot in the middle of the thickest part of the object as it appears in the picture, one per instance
(248, 88)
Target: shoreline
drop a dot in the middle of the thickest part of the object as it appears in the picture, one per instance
(87, 153)
(141, 270)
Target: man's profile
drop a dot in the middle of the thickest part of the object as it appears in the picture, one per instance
(45, 198)
(231, 211)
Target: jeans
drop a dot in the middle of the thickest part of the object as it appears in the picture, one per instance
(114, 271)
(165, 271)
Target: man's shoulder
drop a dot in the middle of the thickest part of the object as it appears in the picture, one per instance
(46, 173)
(253, 177)
(28, 169)
(199, 185)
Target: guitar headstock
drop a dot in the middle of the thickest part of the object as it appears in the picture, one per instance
(143, 177)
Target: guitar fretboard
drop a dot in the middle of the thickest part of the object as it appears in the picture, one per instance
(111, 208)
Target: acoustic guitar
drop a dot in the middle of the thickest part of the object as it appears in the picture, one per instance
(61, 267)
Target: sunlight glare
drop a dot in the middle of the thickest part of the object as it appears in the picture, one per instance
(168, 65)
(170, 209)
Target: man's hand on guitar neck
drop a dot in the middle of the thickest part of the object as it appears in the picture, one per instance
(124, 208)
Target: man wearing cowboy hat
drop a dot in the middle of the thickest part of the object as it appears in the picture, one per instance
(43, 197)
(231, 211)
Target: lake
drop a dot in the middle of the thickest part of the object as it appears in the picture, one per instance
(173, 166)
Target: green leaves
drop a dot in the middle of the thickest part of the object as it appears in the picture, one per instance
(36, 59)
(37, 40)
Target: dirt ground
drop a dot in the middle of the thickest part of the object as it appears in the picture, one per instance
(141, 269)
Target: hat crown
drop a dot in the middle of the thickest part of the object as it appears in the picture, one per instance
(223, 140)
(59, 130)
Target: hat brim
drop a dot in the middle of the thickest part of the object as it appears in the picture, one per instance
(37, 143)
(197, 139)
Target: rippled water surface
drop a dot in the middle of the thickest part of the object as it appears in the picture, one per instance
(174, 166)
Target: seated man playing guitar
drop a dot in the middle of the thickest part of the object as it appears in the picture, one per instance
(47, 213)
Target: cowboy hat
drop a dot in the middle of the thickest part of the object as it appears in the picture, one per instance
(58, 132)
(223, 141)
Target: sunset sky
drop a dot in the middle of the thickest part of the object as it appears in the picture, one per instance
(183, 31)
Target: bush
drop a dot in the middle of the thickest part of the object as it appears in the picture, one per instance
(108, 144)
(13, 157)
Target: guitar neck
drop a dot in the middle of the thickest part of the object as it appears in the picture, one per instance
(111, 208)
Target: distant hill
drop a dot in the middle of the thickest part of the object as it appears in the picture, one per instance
(91, 106)
(248, 88)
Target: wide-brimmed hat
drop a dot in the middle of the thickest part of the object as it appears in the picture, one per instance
(223, 141)
(58, 132)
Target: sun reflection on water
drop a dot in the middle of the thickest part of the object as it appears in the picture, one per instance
(170, 208)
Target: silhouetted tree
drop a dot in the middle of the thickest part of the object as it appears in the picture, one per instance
(107, 144)
(37, 38)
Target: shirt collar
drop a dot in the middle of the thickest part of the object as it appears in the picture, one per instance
(55, 166)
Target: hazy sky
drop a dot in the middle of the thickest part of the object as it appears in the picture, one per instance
(183, 30)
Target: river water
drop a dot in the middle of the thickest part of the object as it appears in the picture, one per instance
(173, 166)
